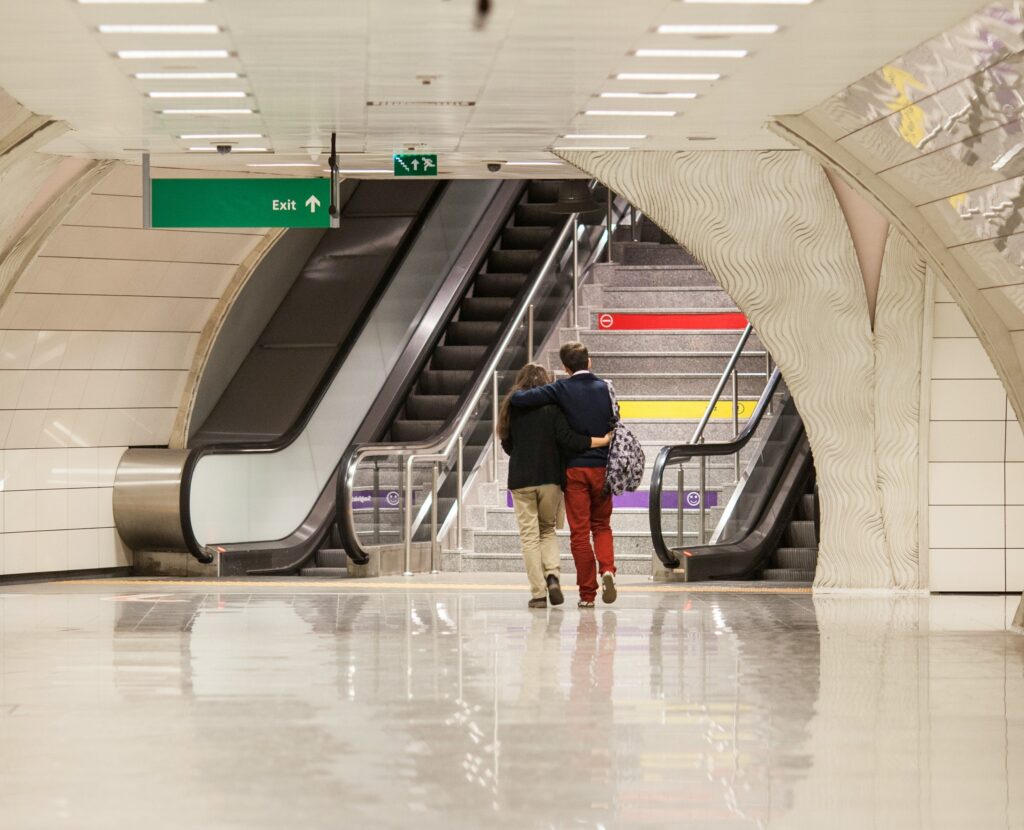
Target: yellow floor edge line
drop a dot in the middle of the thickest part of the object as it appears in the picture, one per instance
(349, 584)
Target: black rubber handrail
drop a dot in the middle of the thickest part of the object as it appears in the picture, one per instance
(684, 452)
(274, 444)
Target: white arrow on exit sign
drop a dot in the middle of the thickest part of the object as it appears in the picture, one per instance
(312, 203)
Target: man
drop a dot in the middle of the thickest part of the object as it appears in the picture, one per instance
(586, 401)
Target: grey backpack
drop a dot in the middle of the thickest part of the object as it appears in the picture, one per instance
(626, 459)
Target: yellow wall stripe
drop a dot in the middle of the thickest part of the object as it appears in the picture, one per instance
(680, 410)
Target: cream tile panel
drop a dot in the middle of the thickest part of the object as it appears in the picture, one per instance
(941, 294)
(1008, 301)
(965, 483)
(993, 262)
(10, 388)
(36, 390)
(16, 349)
(967, 569)
(52, 551)
(966, 441)
(1014, 442)
(83, 549)
(58, 275)
(20, 511)
(113, 553)
(1014, 473)
(89, 428)
(1015, 569)
(87, 313)
(49, 349)
(960, 357)
(37, 469)
(51, 509)
(1014, 526)
(964, 527)
(161, 245)
(949, 321)
(20, 553)
(98, 210)
(967, 400)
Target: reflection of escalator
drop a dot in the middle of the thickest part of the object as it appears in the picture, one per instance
(277, 382)
(770, 527)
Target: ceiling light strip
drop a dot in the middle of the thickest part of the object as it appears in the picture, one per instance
(655, 95)
(233, 94)
(752, 2)
(233, 149)
(691, 53)
(533, 164)
(611, 136)
(186, 76)
(158, 29)
(717, 29)
(206, 112)
(570, 149)
(633, 113)
(218, 136)
(667, 76)
(173, 54)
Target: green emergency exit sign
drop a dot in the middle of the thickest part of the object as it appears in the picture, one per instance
(241, 203)
(415, 164)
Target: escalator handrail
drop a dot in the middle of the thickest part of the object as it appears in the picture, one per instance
(196, 454)
(684, 452)
(444, 443)
(716, 396)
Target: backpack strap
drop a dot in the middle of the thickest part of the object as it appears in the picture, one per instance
(615, 403)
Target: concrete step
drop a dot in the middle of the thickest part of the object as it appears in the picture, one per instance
(651, 253)
(646, 384)
(513, 563)
(590, 315)
(654, 342)
(325, 573)
(623, 520)
(621, 297)
(653, 361)
(669, 433)
(667, 276)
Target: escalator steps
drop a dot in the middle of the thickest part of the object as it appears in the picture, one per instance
(512, 262)
(430, 407)
(544, 190)
(472, 333)
(522, 237)
(800, 534)
(499, 285)
(331, 558)
(802, 559)
(787, 575)
(485, 308)
(538, 214)
(458, 357)
(444, 382)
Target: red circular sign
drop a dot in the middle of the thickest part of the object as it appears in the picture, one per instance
(605, 321)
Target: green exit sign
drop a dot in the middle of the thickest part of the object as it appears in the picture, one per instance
(415, 164)
(241, 203)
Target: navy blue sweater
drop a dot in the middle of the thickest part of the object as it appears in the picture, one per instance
(587, 406)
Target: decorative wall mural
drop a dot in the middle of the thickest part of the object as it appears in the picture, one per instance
(769, 226)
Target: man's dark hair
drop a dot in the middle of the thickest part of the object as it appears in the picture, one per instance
(574, 356)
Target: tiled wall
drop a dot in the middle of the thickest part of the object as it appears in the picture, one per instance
(975, 465)
(96, 341)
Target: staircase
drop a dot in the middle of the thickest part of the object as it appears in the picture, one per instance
(663, 379)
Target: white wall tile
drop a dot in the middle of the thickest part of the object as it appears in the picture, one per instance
(52, 551)
(106, 466)
(965, 483)
(83, 549)
(20, 553)
(51, 509)
(26, 427)
(11, 382)
(36, 390)
(1015, 569)
(20, 511)
(49, 350)
(1014, 526)
(967, 400)
(83, 508)
(960, 358)
(1014, 442)
(966, 570)
(966, 527)
(16, 349)
(949, 321)
(967, 441)
(1014, 483)
(164, 245)
(105, 507)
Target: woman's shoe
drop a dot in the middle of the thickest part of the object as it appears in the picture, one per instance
(539, 602)
(554, 590)
(585, 604)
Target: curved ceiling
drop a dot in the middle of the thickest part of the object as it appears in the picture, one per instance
(419, 73)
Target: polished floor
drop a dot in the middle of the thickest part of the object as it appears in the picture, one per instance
(442, 702)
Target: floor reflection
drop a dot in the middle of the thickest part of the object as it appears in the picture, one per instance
(460, 708)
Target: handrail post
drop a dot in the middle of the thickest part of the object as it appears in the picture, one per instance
(768, 375)
(703, 498)
(680, 506)
(433, 518)
(608, 225)
(575, 270)
(458, 492)
(736, 413)
(632, 224)
(529, 334)
(407, 517)
(494, 416)
(376, 502)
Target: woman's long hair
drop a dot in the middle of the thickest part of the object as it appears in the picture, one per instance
(530, 376)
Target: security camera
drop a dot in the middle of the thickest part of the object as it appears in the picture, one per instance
(493, 166)
(223, 149)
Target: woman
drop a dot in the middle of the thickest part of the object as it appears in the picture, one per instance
(538, 441)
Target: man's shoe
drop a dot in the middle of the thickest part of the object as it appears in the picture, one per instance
(585, 603)
(538, 602)
(555, 590)
(608, 592)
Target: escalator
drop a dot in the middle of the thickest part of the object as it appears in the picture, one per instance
(403, 306)
(769, 529)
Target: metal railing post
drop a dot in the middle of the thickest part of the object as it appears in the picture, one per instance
(376, 502)
(529, 334)
(575, 271)
(632, 224)
(680, 506)
(494, 416)
(433, 518)
(407, 517)
(768, 376)
(736, 414)
(460, 445)
(608, 225)
(702, 531)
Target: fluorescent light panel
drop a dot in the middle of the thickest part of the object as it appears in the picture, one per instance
(141, 2)
(691, 53)
(592, 148)
(362, 170)
(206, 112)
(668, 76)
(533, 163)
(173, 54)
(217, 136)
(158, 29)
(286, 164)
(657, 95)
(718, 29)
(633, 113)
(233, 149)
(186, 76)
(233, 94)
(613, 136)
